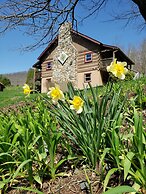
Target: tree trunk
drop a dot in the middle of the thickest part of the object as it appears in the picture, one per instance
(142, 7)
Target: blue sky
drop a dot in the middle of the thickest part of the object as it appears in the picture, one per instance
(112, 33)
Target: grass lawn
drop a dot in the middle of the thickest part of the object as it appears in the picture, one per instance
(12, 95)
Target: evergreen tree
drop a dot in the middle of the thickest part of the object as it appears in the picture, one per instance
(30, 77)
(5, 81)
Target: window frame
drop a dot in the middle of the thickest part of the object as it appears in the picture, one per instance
(49, 68)
(85, 58)
(86, 77)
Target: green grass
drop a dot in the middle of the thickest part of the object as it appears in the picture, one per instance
(12, 95)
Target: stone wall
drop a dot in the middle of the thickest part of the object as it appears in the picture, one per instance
(64, 60)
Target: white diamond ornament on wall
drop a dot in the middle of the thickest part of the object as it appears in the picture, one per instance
(62, 57)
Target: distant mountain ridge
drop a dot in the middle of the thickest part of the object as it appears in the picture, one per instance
(18, 78)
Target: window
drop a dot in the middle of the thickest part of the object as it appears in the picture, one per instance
(88, 57)
(87, 77)
(49, 65)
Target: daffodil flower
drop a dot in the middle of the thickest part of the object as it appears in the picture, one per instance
(56, 94)
(77, 104)
(118, 69)
(26, 89)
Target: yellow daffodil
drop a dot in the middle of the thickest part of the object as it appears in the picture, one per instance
(56, 94)
(26, 89)
(77, 104)
(118, 69)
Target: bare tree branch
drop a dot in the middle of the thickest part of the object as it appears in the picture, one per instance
(41, 18)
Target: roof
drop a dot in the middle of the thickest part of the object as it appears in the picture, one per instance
(105, 47)
(55, 40)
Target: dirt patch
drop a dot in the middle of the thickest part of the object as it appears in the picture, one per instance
(75, 183)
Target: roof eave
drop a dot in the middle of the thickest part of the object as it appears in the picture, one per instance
(47, 48)
(131, 62)
(37, 64)
(86, 37)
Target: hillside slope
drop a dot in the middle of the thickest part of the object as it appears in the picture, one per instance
(17, 79)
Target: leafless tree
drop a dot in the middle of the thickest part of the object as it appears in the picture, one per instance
(137, 54)
(41, 18)
(143, 57)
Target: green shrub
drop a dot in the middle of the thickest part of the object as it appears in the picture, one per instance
(30, 77)
(5, 81)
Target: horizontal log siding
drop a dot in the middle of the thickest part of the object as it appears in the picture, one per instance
(83, 66)
(47, 73)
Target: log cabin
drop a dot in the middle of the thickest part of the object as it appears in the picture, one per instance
(77, 58)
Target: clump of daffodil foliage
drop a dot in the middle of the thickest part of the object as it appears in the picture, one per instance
(91, 125)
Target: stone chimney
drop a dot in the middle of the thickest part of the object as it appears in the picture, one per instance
(64, 62)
